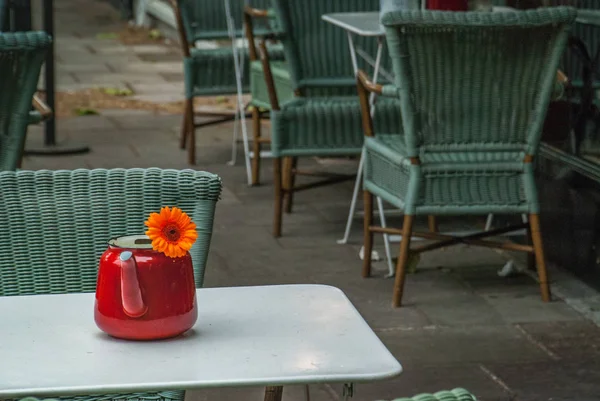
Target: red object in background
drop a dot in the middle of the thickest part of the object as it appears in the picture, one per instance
(448, 5)
(142, 294)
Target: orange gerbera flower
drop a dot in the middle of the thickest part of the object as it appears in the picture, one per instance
(172, 232)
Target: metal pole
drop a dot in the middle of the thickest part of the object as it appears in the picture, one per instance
(22, 15)
(50, 147)
(50, 137)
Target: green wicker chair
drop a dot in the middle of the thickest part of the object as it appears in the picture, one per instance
(472, 123)
(323, 119)
(210, 71)
(21, 59)
(458, 394)
(314, 68)
(58, 224)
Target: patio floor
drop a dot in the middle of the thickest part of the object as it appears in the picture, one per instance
(462, 326)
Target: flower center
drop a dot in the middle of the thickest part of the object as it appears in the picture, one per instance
(171, 232)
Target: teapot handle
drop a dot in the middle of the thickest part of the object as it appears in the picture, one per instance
(131, 294)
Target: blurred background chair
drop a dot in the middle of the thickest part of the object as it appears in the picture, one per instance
(213, 70)
(323, 118)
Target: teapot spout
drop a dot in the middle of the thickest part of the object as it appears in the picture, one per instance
(131, 294)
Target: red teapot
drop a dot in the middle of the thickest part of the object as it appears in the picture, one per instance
(142, 294)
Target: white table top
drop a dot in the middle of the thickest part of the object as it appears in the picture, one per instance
(270, 335)
(361, 23)
(367, 23)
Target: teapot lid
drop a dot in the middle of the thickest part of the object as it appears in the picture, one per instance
(131, 242)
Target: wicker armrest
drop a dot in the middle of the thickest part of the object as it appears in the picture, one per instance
(364, 80)
(249, 15)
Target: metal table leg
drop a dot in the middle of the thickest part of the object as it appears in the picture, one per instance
(50, 146)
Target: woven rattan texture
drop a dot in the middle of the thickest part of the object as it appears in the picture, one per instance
(474, 90)
(21, 58)
(327, 126)
(316, 51)
(58, 222)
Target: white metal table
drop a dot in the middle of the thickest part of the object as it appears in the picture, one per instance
(244, 336)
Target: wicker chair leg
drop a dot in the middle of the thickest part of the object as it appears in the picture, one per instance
(531, 262)
(278, 209)
(433, 224)
(191, 133)
(256, 132)
(536, 235)
(290, 165)
(273, 393)
(368, 234)
(185, 123)
(402, 260)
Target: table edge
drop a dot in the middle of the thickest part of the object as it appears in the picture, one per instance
(187, 386)
(369, 34)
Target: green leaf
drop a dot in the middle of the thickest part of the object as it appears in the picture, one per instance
(82, 111)
(222, 99)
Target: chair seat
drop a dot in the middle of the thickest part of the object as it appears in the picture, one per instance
(327, 126)
(450, 182)
(446, 155)
(212, 71)
(281, 78)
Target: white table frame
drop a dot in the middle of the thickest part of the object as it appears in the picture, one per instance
(245, 336)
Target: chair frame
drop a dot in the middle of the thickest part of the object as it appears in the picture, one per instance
(258, 140)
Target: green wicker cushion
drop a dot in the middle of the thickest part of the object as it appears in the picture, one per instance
(446, 184)
(212, 71)
(21, 59)
(327, 126)
(207, 19)
(258, 87)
